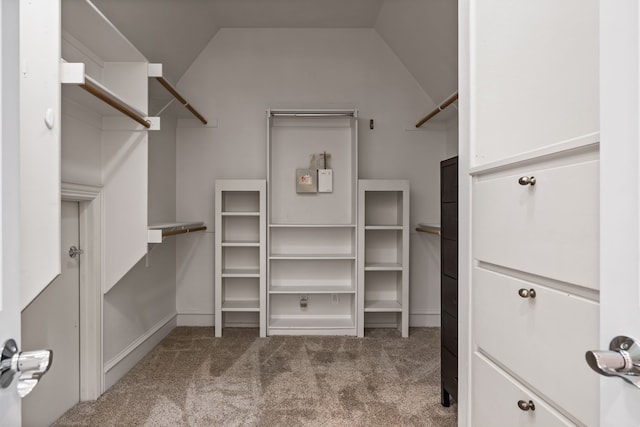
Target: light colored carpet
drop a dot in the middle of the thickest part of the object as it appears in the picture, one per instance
(194, 379)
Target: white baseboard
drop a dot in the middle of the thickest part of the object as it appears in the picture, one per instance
(428, 319)
(195, 319)
(119, 365)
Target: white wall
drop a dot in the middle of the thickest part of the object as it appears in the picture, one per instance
(240, 74)
(424, 36)
(452, 138)
(140, 309)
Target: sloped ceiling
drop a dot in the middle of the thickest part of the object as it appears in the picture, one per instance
(423, 33)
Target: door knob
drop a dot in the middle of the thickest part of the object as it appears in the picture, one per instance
(75, 251)
(527, 180)
(31, 365)
(622, 360)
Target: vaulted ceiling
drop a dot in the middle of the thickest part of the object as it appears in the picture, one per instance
(422, 33)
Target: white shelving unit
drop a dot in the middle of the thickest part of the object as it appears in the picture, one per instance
(240, 254)
(312, 241)
(383, 254)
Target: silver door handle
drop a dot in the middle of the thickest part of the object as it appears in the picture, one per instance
(74, 251)
(622, 360)
(31, 365)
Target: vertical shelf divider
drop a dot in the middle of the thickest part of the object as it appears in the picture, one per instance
(383, 253)
(240, 252)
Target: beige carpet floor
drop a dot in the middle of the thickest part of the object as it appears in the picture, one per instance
(193, 379)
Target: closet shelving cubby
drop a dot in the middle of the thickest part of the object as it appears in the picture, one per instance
(383, 257)
(312, 242)
(240, 253)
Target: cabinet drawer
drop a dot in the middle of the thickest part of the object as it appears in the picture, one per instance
(450, 258)
(450, 333)
(542, 339)
(449, 291)
(449, 363)
(496, 396)
(449, 220)
(549, 229)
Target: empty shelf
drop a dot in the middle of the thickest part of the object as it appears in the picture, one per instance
(241, 305)
(241, 272)
(383, 266)
(382, 306)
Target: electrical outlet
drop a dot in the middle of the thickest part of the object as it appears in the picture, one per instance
(304, 301)
(335, 298)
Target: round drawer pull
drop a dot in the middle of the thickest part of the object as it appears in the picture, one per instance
(527, 180)
(526, 406)
(527, 293)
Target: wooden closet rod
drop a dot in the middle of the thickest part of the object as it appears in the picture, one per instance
(430, 230)
(183, 231)
(169, 87)
(450, 100)
(105, 96)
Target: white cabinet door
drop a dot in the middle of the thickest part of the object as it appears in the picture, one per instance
(619, 198)
(9, 196)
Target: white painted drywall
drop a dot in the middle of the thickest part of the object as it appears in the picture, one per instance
(424, 36)
(145, 298)
(452, 138)
(81, 144)
(240, 74)
(124, 189)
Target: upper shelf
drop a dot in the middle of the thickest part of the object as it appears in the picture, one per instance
(83, 21)
(158, 231)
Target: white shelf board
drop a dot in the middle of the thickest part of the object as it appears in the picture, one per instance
(312, 225)
(240, 244)
(241, 305)
(383, 227)
(312, 289)
(382, 306)
(311, 256)
(241, 272)
(240, 213)
(383, 266)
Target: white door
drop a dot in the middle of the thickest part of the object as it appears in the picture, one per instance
(620, 198)
(9, 197)
(530, 144)
(52, 321)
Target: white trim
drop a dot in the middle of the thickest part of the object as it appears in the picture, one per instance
(582, 142)
(428, 319)
(91, 277)
(193, 319)
(71, 192)
(466, 61)
(120, 364)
